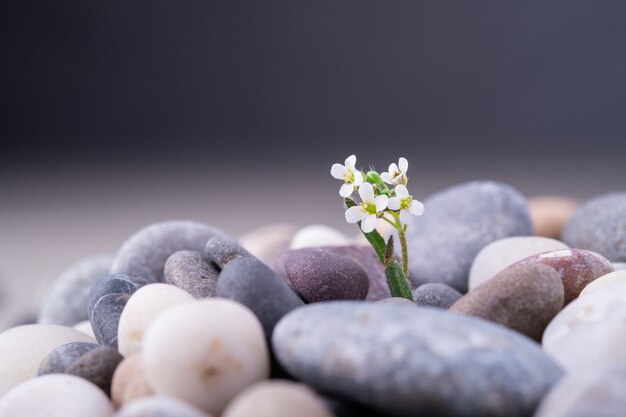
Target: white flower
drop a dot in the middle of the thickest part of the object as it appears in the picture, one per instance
(405, 203)
(352, 177)
(367, 211)
(397, 173)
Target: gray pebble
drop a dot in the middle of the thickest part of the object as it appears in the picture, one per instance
(221, 250)
(159, 406)
(60, 358)
(193, 272)
(436, 295)
(396, 300)
(97, 366)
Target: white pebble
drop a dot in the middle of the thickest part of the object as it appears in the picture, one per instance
(269, 241)
(318, 235)
(85, 327)
(611, 278)
(159, 406)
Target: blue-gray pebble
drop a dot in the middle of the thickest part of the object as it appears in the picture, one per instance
(436, 295)
(57, 361)
(599, 225)
(457, 223)
(414, 361)
(221, 250)
(107, 299)
(193, 272)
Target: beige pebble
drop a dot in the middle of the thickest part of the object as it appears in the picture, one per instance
(269, 241)
(85, 327)
(129, 381)
(550, 213)
(318, 235)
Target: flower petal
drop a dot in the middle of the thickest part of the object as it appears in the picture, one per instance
(385, 176)
(366, 192)
(337, 171)
(346, 190)
(354, 214)
(401, 191)
(358, 178)
(368, 223)
(393, 168)
(350, 161)
(406, 217)
(403, 164)
(394, 203)
(381, 202)
(416, 208)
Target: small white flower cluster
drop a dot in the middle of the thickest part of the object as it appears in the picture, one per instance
(394, 205)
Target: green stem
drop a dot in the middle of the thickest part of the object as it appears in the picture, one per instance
(405, 254)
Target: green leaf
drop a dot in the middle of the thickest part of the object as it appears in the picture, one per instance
(374, 238)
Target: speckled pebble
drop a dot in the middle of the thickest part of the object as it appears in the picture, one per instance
(97, 366)
(435, 295)
(57, 361)
(269, 241)
(221, 250)
(193, 272)
(159, 406)
(129, 381)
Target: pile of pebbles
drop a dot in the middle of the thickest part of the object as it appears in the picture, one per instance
(520, 311)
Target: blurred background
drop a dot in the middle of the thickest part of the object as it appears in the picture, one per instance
(118, 114)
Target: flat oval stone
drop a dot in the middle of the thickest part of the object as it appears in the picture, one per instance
(97, 366)
(605, 280)
(457, 224)
(23, 348)
(267, 242)
(414, 361)
(523, 298)
(577, 268)
(142, 308)
(600, 226)
(497, 255)
(221, 250)
(107, 299)
(55, 395)
(67, 298)
(159, 406)
(219, 349)
(435, 295)
(57, 361)
(317, 235)
(193, 272)
(549, 214)
(317, 275)
(144, 254)
(129, 381)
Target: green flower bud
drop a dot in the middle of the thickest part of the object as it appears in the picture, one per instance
(373, 177)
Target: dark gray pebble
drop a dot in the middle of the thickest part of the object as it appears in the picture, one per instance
(97, 366)
(221, 250)
(60, 358)
(193, 272)
(436, 295)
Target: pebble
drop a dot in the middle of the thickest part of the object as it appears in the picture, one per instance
(619, 265)
(97, 366)
(129, 381)
(23, 348)
(269, 241)
(414, 361)
(159, 406)
(436, 295)
(66, 299)
(549, 213)
(277, 399)
(57, 361)
(142, 308)
(396, 300)
(253, 284)
(577, 268)
(55, 395)
(193, 272)
(219, 350)
(598, 393)
(106, 301)
(457, 224)
(317, 235)
(85, 327)
(605, 280)
(497, 255)
(599, 225)
(317, 275)
(144, 254)
(523, 298)
(221, 250)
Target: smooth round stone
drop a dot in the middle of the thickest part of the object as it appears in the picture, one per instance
(619, 265)
(142, 308)
(577, 268)
(435, 295)
(97, 366)
(193, 272)
(457, 224)
(219, 350)
(396, 300)
(145, 253)
(66, 300)
(277, 399)
(523, 298)
(159, 406)
(221, 250)
(317, 235)
(497, 255)
(317, 275)
(414, 361)
(129, 381)
(600, 226)
(55, 395)
(591, 331)
(269, 241)
(605, 280)
(23, 348)
(597, 393)
(107, 300)
(57, 361)
(85, 327)
(253, 284)
(550, 213)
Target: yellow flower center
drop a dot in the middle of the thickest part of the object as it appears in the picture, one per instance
(370, 208)
(405, 203)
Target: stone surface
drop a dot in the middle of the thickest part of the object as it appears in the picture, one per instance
(66, 299)
(55, 395)
(457, 224)
(251, 283)
(142, 308)
(57, 361)
(600, 226)
(85, 327)
(414, 361)
(269, 241)
(317, 235)
(549, 213)
(129, 381)
(577, 268)
(97, 366)
(396, 300)
(106, 301)
(159, 406)
(193, 272)
(23, 348)
(219, 350)
(144, 254)
(523, 298)
(277, 399)
(435, 295)
(605, 280)
(497, 255)
(221, 250)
